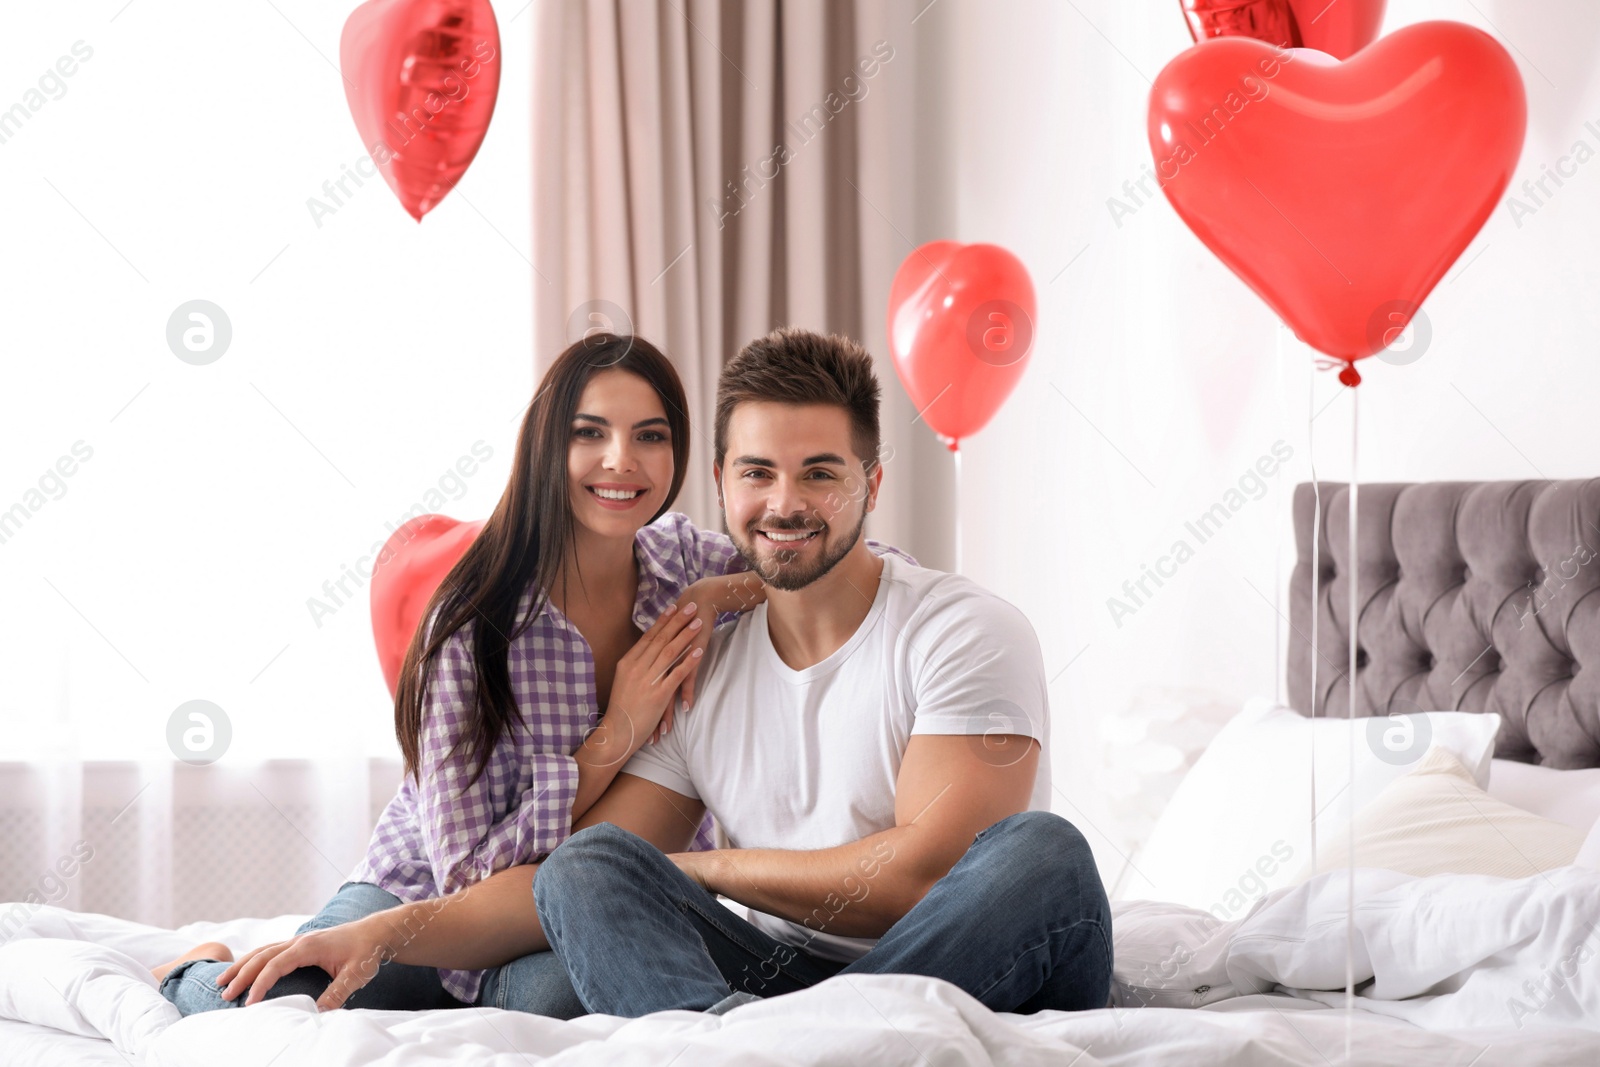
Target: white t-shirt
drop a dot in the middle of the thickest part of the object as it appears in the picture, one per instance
(808, 759)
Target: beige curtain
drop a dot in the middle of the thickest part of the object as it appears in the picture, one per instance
(707, 170)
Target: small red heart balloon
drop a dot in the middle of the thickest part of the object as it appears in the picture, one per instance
(1340, 28)
(1340, 192)
(961, 325)
(421, 77)
(410, 566)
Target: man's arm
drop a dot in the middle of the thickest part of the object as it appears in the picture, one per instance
(950, 787)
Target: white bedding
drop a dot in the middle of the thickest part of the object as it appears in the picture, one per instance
(31, 1045)
(1452, 956)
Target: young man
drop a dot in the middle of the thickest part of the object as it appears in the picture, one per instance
(872, 741)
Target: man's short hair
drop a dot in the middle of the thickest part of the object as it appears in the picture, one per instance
(795, 366)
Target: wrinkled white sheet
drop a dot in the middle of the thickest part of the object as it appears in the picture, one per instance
(1454, 969)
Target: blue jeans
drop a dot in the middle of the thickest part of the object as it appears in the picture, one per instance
(535, 983)
(1021, 923)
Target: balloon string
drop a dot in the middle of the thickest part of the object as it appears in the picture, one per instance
(1316, 603)
(955, 454)
(1355, 608)
(1278, 668)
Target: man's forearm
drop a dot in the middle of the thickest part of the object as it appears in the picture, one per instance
(485, 925)
(855, 890)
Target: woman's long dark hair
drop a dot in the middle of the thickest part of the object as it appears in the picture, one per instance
(523, 543)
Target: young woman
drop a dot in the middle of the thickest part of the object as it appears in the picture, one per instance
(581, 593)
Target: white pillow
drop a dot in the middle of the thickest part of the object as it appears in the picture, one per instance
(1436, 820)
(1569, 797)
(1239, 825)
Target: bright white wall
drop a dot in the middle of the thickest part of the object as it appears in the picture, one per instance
(1170, 366)
(368, 355)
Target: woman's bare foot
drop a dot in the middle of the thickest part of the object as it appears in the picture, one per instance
(211, 950)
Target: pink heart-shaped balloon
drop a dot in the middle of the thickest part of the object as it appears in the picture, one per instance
(421, 77)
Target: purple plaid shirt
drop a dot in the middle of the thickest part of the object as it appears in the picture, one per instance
(445, 835)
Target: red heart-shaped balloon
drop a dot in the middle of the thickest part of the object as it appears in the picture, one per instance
(421, 77)
(1340, 192)
(961, 324)
(410, 566)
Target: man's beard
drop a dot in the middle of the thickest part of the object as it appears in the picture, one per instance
(781, 569)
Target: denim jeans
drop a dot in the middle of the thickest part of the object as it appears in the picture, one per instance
(535, 983)
(1021, 922)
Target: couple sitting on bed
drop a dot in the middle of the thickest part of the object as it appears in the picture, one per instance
(869, 735)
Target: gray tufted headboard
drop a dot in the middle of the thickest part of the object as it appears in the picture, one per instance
(1475, 596)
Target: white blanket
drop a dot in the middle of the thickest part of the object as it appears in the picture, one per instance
(1454, 950)
(1451, 969)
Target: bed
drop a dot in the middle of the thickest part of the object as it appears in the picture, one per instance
(1444, 628)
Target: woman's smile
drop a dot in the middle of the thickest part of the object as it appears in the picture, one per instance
(617, 497)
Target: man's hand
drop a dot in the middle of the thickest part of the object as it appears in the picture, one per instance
(697, 865)
(350, 953)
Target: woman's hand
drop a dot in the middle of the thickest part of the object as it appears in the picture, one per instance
(350, 953)
(711, 597)
(655, 667)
